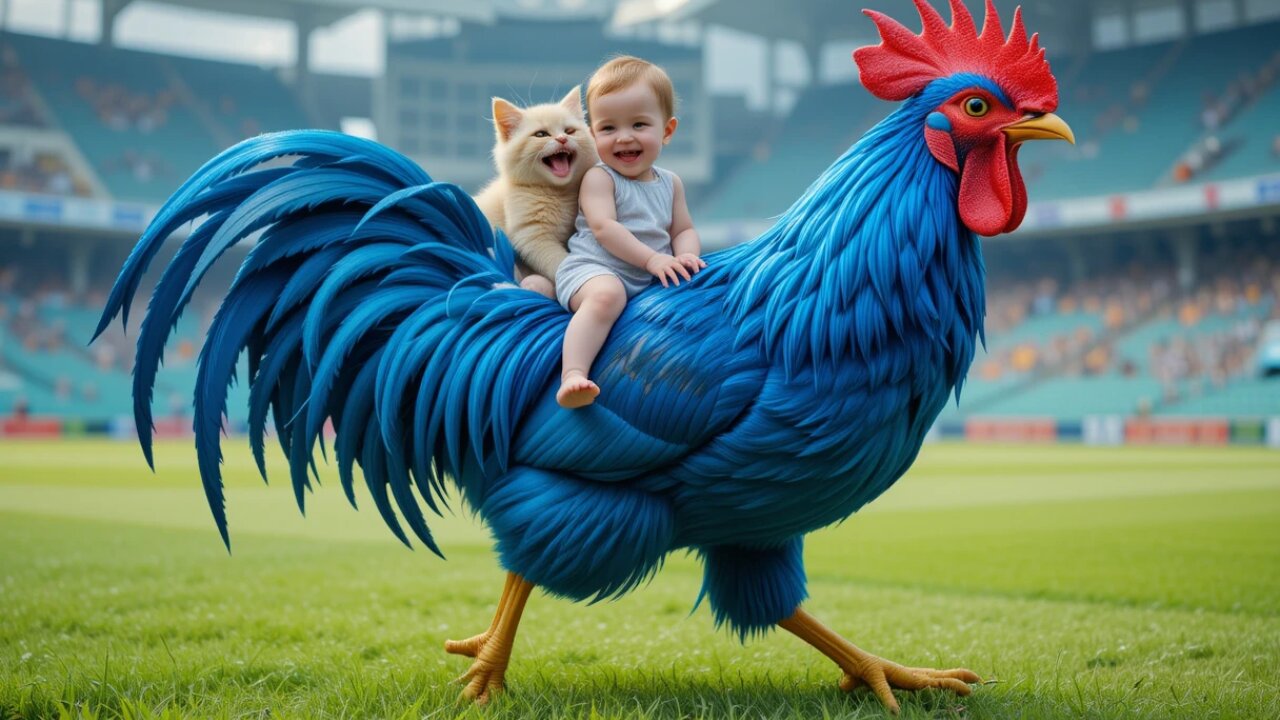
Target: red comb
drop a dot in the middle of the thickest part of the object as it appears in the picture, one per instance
(904, 63)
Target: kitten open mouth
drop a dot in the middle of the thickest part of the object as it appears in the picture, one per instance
(560, 163)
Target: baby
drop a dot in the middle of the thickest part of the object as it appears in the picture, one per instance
(633, 222)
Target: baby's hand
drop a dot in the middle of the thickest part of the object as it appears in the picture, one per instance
(665, 267)
(691, 261)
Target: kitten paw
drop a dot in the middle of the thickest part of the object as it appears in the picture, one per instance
(540, 285)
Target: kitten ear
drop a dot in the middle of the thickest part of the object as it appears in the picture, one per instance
(573, 102)
(506, 118)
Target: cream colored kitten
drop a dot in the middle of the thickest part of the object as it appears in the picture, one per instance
(541, 154)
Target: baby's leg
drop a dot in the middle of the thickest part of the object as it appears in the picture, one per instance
(596, 305)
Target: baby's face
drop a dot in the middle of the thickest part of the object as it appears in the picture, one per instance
(630, 129)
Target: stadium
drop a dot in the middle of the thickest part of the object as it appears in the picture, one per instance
(1091, 525)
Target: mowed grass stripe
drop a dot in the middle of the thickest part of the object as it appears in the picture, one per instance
(1195, 552)
(1087, 602)
(310, 629)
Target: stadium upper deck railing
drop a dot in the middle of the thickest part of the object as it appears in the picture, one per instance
(1161, 206)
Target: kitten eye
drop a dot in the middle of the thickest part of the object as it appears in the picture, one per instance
(568, 131)
(542, 134)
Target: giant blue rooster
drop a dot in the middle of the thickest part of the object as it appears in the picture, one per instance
(789, 384)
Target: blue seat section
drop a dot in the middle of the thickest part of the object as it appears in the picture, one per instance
(824, 123)
(1135, 345)
(1043, 328)
(977, 393)
(1098, 102)
(1072, 398)
(134, 161)
(204, 105)
(244, 99)
(1038, 331)
(1134, 111)
(1241, 398)
(69, 382)
(1249, 140)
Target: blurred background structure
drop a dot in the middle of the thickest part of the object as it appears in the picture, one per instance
(1137, 303)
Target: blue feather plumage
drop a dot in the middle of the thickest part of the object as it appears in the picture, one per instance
(790, 383)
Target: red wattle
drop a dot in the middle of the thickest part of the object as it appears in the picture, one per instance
(986, 196)
(1019, 191)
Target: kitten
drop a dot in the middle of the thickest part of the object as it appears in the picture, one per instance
(541, 154)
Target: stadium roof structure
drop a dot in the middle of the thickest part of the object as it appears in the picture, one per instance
(815, 22)
(325, 12)
(318, 13)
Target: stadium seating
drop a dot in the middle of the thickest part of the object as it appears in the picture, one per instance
(1242, 398)
(1250, 138)
(145, 121)
(1129, 133)
(1072, 398)
(824, 123)
(67, 381)
(137, 159)
(243, 100)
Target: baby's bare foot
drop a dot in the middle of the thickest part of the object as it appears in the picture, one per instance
(576, 391)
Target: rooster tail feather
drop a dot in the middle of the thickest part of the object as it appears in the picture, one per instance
(372, 297)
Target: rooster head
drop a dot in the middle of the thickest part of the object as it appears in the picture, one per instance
(995, 93)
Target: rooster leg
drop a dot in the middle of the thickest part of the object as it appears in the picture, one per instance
(484, 678)
(472, 645)
(864, 669)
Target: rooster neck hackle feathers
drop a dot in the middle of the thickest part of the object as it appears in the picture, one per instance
(873, 253)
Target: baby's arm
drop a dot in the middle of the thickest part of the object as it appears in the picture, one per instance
(596, 201)
(685, 244)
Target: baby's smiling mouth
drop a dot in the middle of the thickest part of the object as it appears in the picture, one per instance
(627, 155)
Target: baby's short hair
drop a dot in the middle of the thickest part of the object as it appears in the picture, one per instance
(624, 71)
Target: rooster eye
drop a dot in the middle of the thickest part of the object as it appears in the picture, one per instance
(976, 106)
(542, 133)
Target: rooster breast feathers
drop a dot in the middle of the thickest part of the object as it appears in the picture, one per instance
(369, 299)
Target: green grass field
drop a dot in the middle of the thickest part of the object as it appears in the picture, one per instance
(1083, 582)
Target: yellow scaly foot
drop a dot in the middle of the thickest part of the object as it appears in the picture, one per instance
(862, 669)
(485, 677)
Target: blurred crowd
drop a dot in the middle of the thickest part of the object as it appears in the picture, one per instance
(122, 109)
(17, 102)
(143, 165)
(227, 111)
(1216, 324)
(26, 170)
(1218, 109)
(34, 316)
(22, 167)
(1208, 337)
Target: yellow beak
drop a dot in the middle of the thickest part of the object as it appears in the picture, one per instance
(1040, 127)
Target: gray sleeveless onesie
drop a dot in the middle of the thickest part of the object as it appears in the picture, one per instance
(644, 208)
